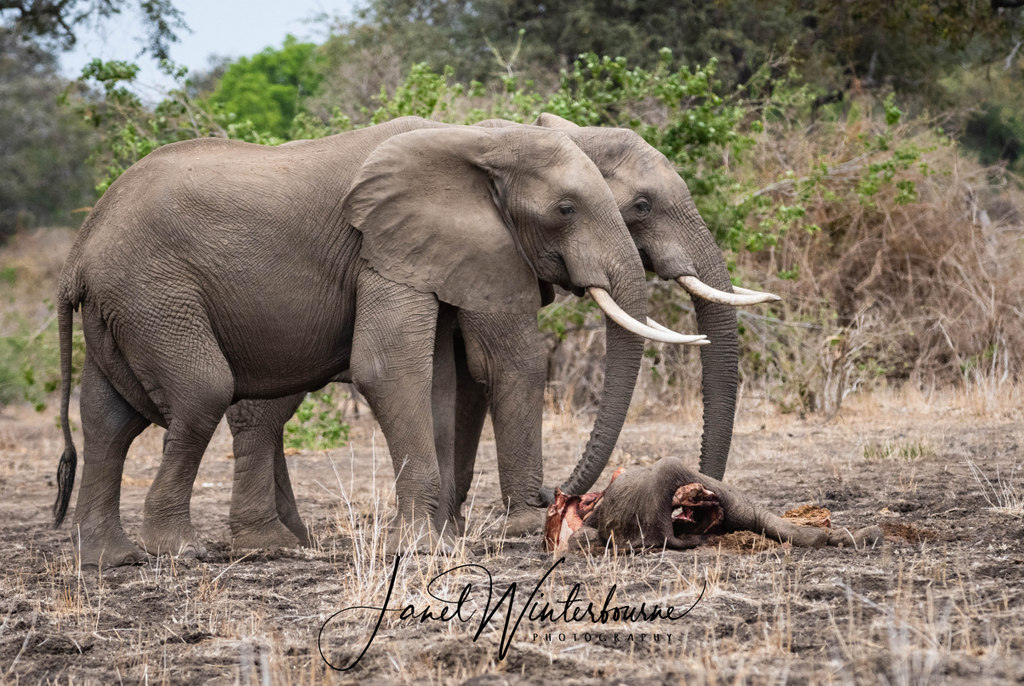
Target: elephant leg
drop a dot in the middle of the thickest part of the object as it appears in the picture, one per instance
(287, 508)
(470, 412)
(109, 425)
(263, 510)
(197, 390)
(507, 352)
(443, 398)
(392, 366)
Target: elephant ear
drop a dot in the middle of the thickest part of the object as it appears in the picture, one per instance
(428, 205)
(553, 121)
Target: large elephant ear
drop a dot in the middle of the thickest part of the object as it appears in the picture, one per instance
(428, 205)
(553, 121)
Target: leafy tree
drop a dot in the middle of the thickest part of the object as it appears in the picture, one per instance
(57, 20)
(267, 89)
(543, 38)
(903, 44)
(42, 145)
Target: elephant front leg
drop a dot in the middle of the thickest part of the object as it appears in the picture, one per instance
(508, 353)
(263, 510)
(392, 366)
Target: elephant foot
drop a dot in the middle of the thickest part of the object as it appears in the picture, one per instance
(523, 521)
(271, 536)
(172, 538)
(298, 529)
(868, 536)
(459, 524)
(111, 551)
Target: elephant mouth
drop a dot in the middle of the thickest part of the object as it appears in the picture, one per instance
(695, 510)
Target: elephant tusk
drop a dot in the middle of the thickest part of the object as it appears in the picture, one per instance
(747, 291)
(659, 327)
(620, 317)
(742, 296)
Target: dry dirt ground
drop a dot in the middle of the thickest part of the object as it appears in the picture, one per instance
(941, 600)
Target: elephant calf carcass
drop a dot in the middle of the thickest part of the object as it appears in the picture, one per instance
(671, 505)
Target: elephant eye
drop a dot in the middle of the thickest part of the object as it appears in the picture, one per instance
(567, 209)
(643, 207)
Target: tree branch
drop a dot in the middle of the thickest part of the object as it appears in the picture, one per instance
(1009, 58)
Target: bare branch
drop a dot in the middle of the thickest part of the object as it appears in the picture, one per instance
(1009, 58)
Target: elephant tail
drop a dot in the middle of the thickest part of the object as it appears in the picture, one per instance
(69, 458)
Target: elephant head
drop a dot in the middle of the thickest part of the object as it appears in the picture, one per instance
(674, 242)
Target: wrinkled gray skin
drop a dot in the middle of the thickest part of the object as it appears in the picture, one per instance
(636, 511)
(215, 271)
(672, 240)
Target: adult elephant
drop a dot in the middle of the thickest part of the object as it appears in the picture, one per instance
(214, 271)
(673, 241)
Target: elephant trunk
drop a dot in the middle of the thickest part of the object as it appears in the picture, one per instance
(719, 361)
(739, 513)
(623, 353)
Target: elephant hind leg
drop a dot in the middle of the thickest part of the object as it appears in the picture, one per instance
(470, 412)
(263, 510)
(287, 508)
(443, 399)
(508, 352)
(197, 387)
(109, 424)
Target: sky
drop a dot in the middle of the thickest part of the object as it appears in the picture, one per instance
(232, 28)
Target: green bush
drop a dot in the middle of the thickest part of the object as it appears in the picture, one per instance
(318, 424)
(267, 89)
(30, 362)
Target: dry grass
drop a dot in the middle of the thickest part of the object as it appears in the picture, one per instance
(937, 465)
(1005, 495)
(939, 601)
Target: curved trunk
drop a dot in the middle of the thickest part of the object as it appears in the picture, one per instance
(719, 360)
(623, 353)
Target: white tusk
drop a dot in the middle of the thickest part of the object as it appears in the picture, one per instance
(746, 291)
(659, 327)
(619, 316)
(742, 296)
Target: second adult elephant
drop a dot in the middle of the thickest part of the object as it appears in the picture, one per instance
(214, 271)
(672, 240)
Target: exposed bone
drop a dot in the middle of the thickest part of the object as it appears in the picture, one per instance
(696, 508)
(568, 514)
